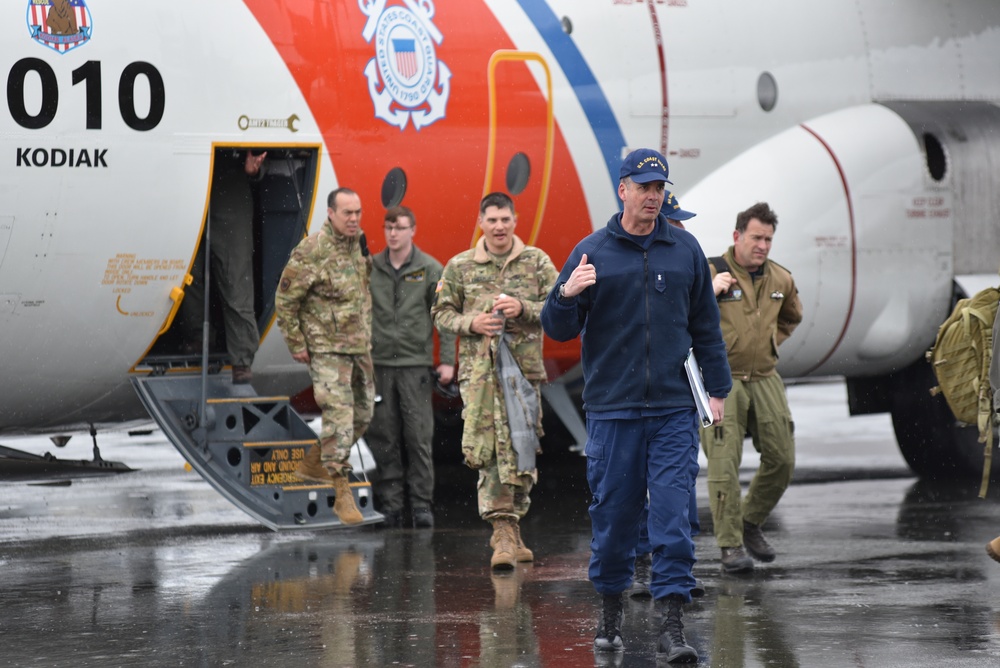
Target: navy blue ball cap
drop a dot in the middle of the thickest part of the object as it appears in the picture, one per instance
(644, 165)
(672, 208)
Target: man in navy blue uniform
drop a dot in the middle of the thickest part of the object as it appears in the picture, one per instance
(640, 293)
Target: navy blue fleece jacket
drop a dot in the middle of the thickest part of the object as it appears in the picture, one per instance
(649, 306)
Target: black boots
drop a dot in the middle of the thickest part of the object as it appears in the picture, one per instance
(672, 644)
(423, 518)
(735, 560)
(753, 540)
(609, 626)
(641, 577)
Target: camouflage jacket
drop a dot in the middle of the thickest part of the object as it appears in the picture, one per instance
(757, 317)
(468, 286)
(323, 302)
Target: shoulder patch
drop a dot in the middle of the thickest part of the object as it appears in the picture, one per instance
(440, 285)
(283, 286)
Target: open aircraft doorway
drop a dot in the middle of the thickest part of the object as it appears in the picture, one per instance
(260, 200)
(252, 223)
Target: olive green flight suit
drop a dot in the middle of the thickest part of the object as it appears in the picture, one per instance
(756, 316)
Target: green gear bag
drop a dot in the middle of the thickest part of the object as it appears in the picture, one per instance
(960, 358)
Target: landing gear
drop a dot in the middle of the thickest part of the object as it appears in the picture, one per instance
(20, 465)
(97, 450)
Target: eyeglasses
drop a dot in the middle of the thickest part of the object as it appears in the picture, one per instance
(397, 228)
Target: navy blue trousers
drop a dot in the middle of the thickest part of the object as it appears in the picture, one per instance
(644, 547)
(625, 458)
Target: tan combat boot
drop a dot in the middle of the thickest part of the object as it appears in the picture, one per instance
(343, 505)
(993, 548)
(504, 544)
(522, 553)
(311, 468)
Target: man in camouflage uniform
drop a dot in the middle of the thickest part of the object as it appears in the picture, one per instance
(498, 286)
(324, 310)
(760, 308)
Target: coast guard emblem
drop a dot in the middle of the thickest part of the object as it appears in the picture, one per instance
(61, 25)
(405, 78)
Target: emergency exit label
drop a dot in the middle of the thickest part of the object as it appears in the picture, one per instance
(278, 468)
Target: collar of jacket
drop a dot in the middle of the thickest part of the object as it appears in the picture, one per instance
(662, 230)
(414, 261)
(736, 267)
(337, 237)
(482, 256)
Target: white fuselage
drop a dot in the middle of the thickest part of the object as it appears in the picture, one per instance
(90, 251)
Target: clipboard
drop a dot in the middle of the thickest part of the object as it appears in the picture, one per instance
(693, 371)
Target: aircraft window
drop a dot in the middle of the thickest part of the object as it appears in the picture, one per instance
(567, 25)
(393, 187)
(518, 173)
(937, 161)
(767, 91)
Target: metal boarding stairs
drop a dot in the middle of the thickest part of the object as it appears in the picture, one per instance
(247, 447)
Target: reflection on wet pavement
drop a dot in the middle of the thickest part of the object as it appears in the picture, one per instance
(869, 573)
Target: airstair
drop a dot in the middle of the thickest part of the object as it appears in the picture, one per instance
(246, 446)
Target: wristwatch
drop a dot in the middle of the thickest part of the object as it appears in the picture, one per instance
(562, 291)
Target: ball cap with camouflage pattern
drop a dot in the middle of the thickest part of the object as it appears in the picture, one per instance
(672, 208)
(645, 165)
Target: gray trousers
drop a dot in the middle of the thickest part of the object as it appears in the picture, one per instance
(403, 421)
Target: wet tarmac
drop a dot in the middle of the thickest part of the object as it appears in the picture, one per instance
(153, 568)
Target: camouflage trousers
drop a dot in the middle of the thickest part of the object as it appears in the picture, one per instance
(761, 408)
(344, 389)
(503, 490)
(498, 498)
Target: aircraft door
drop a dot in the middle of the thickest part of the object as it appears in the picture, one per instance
(521, 135)
(250, 226)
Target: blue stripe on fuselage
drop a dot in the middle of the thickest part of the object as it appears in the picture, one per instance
(602, 120)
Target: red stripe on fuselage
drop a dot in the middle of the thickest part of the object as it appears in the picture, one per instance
(854, 249)
(661, 51)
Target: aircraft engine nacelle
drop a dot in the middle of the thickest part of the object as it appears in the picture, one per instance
(864, 227)
(881, 207)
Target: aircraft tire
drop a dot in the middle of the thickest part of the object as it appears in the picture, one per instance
(933, 443)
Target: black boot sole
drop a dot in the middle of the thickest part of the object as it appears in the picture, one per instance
(679, 655)
(762, 557)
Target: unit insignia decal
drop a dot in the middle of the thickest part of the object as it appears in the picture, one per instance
(61, 25)
(405, 78)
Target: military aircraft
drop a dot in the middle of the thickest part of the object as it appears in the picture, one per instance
(870, 127)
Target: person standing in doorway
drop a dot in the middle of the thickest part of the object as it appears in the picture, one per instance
(230, 215)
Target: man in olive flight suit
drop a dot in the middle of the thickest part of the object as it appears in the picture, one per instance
(760, 308)
(403, 287)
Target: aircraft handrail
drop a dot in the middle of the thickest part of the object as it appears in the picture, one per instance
(176, 296)
(499, 56)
